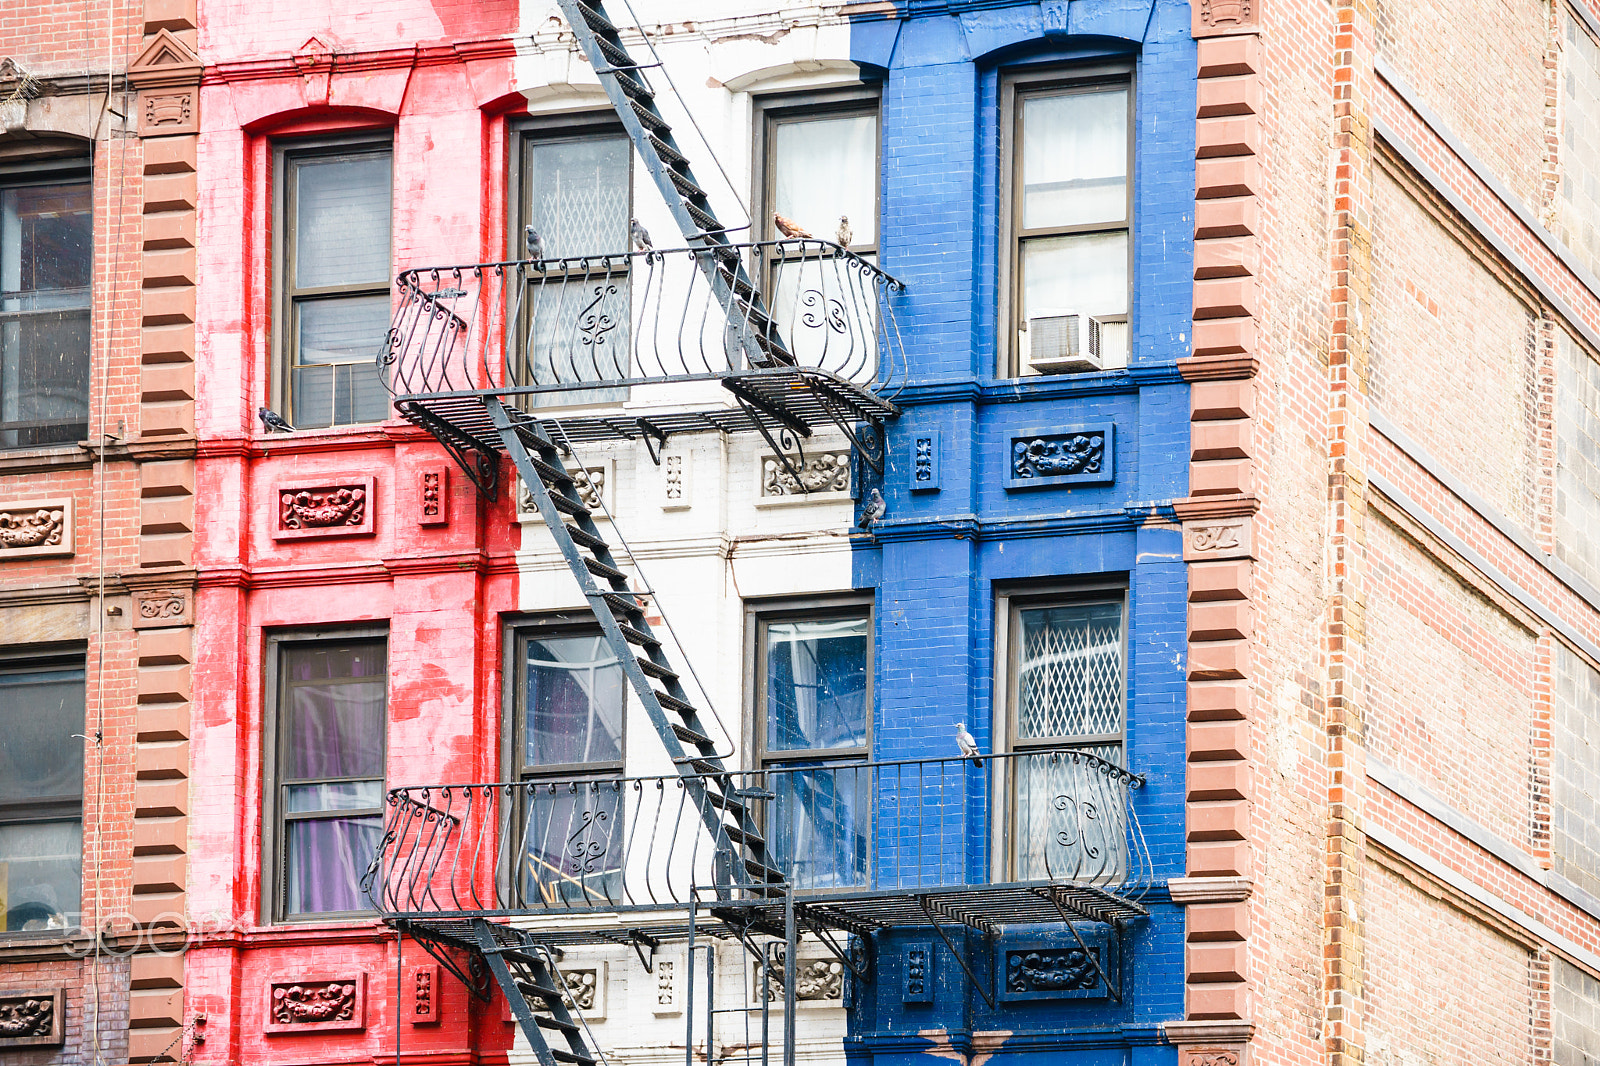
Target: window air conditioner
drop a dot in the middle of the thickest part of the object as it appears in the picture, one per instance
(1064, 341)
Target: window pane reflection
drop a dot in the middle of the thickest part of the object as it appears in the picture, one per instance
(816, 684)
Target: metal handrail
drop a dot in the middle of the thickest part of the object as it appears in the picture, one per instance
(606, 843)
(605, 321)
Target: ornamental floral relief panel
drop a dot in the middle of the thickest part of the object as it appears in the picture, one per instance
(33, 528)
(334, 508)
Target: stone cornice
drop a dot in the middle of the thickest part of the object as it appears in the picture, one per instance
(1209, 889)
(1218, 367)
(1232, 1032)
(1215, 507)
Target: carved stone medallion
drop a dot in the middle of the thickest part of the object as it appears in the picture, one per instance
(316, 1004)
(1074, 455)
(341, 508)
(1060, 967)
(823, 472)
(32, 1018)
(31, 528)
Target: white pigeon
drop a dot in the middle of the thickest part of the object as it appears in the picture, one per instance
(968, 746)
(842, 237)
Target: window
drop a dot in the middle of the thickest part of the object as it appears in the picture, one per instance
(335, 278)
(46, 258)
(1064, 688)
(812, 727)
(41, 792)
(818, 167)
(327, 771)
(1067, 250)
(571, 699)
(575, 189)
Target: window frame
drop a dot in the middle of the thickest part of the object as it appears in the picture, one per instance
(1015, 87)
(65, 655)
(774, 109)
(553, 129)
(59, 163)
(286, 297)
(759, 614)
(518, 635)
(1010, 601)
(274, 864)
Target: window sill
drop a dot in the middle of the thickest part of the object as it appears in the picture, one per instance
(49, 457)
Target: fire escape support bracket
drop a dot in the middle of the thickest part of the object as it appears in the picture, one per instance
(961, 959)
(475, 977)
(845, 955)
(786, 447)
(480, 463)
(867, 436)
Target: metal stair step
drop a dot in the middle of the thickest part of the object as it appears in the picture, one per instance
(566, 503)
(550, 474)
(732, 806)
(596, 20)
(655, 669)
(600, 569)
(634, 87)
(673, 703)
(587, 539)
(619, 602)
(537, 991)
(616, 55)
(747, 837)
(638, 636)
(762, 870)
(685, 186)
(651, 121)
(669, 155)
(548, 1022)
(704, 764)
(572, 1056)
(704, 219)
(685, 733)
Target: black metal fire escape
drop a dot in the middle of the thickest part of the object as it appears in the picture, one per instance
(472, 353)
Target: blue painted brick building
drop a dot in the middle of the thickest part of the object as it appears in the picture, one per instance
(965, 538)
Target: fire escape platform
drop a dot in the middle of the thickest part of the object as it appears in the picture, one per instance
(794, 399)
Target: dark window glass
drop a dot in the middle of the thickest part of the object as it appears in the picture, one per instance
(815, 702)
(46, 257)
(332, 715)
(41, 796)
(570, 739)
(337, 225)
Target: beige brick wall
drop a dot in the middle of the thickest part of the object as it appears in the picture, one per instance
(1575, 771)
(1577, 202)
(1453, 351)
(1441, 987)
(1577, 474)
(1575, 1011)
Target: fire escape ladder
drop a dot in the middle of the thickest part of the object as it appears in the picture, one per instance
(635, 104)
(535, 989)
(617, 607)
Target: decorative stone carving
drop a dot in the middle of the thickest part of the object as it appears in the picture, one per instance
(925, 462)
(677, 470)
(16, 83)
(824, 472)
(585, 990)
(1074, 455)
(167, 109)
(589, 482)
(32, 1018)
(337, 509)
(167, 74)
(433, 495)
(666, 990)
(1219, 13)
(425, 995)
(316, 1004)
(919, 974)
(816, 981)
(1218, 538)
(1211, 1056)
(156, 608)
(31, 528)
(1059, 968)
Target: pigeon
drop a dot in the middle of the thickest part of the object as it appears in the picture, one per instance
(844, 233)
(273, 421)
(790, 228)
(968, 746)
(533, 242)
(873, 509)
(640, 235)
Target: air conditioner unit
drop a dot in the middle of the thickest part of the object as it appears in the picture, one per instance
(1060, 342)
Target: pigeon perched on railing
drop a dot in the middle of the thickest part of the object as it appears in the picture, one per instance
(640, 235)
(273, 421)
(790, 228)
(533, 243)
(874, 509)
(844, 233)
(968, 746)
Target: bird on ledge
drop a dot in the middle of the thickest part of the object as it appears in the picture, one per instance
(844, 233)
(273, 421)
(968, 746)
(790, 228)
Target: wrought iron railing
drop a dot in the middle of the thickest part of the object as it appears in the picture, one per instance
(1059, 816)
(601, 322)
